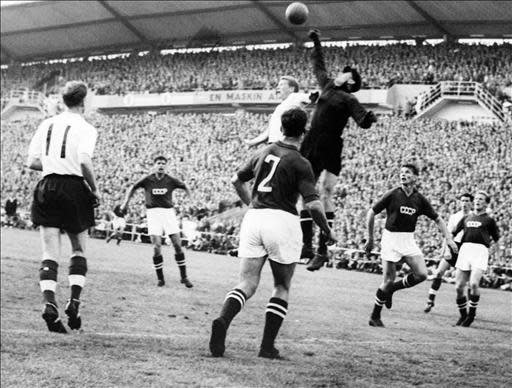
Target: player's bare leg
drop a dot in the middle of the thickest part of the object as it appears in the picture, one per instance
(180, 259)
(382, 295)
(436, 284)
(250, 272)
(474, 298)
(461, 280)
(51, 243)
(76, 277)
(277, 308)
(158, 260)
(327, 183)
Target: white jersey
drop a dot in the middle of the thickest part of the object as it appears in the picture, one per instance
(60, 140)
(294, 100)
(453, 221)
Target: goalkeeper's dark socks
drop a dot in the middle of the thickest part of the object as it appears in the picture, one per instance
(409, 281)
(158, 265)
(274, 316)
(323, 238)
(306, 224)
(234, 302)
(380, 299)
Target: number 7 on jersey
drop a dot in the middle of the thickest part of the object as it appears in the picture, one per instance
(274, 161)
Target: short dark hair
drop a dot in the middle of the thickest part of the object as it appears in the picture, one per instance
(294, 122)
(160, 157)
(467, 195)
(412, 167)
(292, 82)
(74, 93)
(485, 194)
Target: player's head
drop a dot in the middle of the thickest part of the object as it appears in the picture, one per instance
(160, 162)
(409, 173)
(74, 93)
(293, 122)
(466, 202)
(482, 199)
(286, 86)
(348, 80)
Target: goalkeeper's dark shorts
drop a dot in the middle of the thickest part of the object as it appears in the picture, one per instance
(64, 202)
(324, 156)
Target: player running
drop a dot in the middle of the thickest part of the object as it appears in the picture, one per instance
(323, 143)
(64, 199)
(161, 216)
(118, 225)
(271, 228)
(403, 205)
(448, 257)
(478, 228)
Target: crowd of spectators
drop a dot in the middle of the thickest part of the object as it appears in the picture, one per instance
(380, 66)
(205, 149)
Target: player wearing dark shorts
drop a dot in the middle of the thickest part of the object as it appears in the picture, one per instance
(271, 228)
(323, 143)
(62, 148)
(403, 207)
(478, 230)
(161, 216)
(448, 256)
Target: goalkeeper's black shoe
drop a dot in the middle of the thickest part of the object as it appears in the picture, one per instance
(187, 283)
(375, 322)
(272, 354)
(161, 283)
(218, 337)
(74, 320)
(52, 319)
(317, 262)
(429, 306)
(307, 254)
(468, 321)
(462, 318)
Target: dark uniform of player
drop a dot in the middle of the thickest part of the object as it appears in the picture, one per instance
(473, 258)
(271, 228)
(158, 191)
(323, 143)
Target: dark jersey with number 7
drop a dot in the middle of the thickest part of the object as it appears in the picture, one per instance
(281, 175)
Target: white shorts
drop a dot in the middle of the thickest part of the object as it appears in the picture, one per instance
(396, 245)
(118, 223)
(162, 221)
(271, 232)
(472, 256)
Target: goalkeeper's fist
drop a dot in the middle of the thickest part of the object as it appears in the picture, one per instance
(314, 35)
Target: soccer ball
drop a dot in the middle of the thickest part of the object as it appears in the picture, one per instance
(297, 13)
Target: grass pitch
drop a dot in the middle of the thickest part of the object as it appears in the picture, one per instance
(137, 335)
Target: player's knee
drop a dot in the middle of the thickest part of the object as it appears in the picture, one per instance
(78, 265)
(48, 270)
(473, 286)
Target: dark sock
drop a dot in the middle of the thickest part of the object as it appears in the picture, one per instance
(409, 281)
(49, 297)
(77, 272)
(158, 264)
(462, 304)
(180, 260)
(48, 275)
(434, 287)
(306, 224)
(380, 299)
(234, 302)
(473, 304)
(322, 238)
(274, 317)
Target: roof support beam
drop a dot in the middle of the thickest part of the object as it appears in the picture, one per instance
(428, 17)
(126, 23)
(283, 27)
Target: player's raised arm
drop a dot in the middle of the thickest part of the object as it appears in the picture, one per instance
(261, 138)
(362, 117)
(317, 58)
(130, 192)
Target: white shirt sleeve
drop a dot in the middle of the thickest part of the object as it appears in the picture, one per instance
(36, 144)
(300, 98)
(88, 141)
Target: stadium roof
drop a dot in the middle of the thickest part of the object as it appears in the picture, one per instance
(56, 29)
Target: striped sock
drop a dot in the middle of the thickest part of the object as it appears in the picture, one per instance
(407, 282)
(234, 302)
(180, 260)
(48, 280)
(436, 284)
(473, 304)
(380, 299)
(76, 277)
(462, 304)
(158, 265)
(306, 224)
(274, 317)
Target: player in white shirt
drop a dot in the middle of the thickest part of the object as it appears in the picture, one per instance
(448, 257)
(64, 199)
(288, 90)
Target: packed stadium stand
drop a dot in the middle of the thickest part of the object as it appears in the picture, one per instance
(204, 149)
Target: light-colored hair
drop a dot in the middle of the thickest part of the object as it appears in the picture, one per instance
(292, 82)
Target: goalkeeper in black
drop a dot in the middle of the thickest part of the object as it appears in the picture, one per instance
(323, 143)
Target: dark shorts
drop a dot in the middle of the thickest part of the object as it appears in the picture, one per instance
(324, 156)
(63, 201)
(453, 260)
